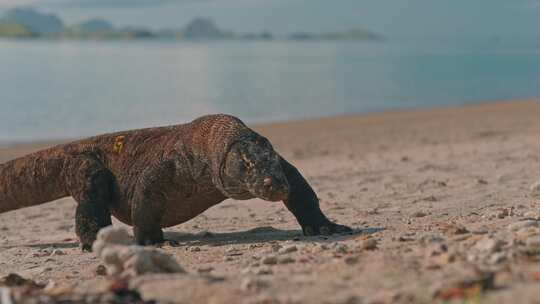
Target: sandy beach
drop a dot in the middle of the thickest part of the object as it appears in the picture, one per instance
(443, 203)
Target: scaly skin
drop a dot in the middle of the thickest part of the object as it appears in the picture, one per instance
(160, 177)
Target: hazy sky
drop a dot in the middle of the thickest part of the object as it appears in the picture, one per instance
(389, 17)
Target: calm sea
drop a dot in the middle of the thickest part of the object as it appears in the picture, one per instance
(65, 89)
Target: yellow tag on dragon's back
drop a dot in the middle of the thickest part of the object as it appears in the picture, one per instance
(119, 144)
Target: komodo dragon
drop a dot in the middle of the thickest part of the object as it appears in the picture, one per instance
(161, 177)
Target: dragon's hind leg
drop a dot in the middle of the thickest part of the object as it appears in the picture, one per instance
(91, 185)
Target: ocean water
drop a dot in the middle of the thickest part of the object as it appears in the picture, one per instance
(67, 89)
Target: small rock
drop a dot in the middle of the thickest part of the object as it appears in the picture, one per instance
(419, 214)
(269, 260)
(525, 233)
(57, 252)
(54, 289)
(436, 249)
(369, 244)
(101, 270)
(341, 249)
(233, 252)
(120, 258)
(264, 271)
(195, 249)
(533, 245)
(288, 249)
(286, 260)
(275, 247)
(251, 284)
(111, 236)
(532, 215)
(522, 224)
(406, 238)
(502, 213)
(323, 247)
(480, 230)
(206, 269)
(497, 258)
(453, 228)
(488, 245)
(482, 181)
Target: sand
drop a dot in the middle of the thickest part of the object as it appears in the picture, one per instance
(431, 193)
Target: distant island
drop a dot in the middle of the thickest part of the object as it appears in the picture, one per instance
(29, 23)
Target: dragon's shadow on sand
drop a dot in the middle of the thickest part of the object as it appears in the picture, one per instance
(252, 236)
(257, 235)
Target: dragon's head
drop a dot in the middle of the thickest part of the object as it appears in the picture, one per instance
(253, 168)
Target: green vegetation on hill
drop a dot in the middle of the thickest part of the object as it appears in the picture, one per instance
(14, 30)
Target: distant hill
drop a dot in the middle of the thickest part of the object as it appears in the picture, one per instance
(95, 25)
(202, 28)
(27, 22)
(34, 21)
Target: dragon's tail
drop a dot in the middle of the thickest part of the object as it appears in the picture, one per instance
(30, 180)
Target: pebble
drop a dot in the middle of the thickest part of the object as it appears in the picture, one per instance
(497, 257)
(264, 271)
(249, 284)
(369, 244)
(488, 245)
(458, 229)
(288, 249)
(58, 252)
(533, 244)
(101, 270)
(532, 215)
(269, 260)
(286, 260)
(419, 214)
(275, 247)
(232, 252)
(480, 230)
(436, 249)
(482, 181)
(342, 249)
(522, 224)
(113, 247)
(195, 249)
(502, 213)
(323, 247)
(206, 269)
(525, 233)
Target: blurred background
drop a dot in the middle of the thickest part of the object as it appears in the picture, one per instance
(72, 68)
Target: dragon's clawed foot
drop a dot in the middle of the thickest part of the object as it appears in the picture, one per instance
(326, 229)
